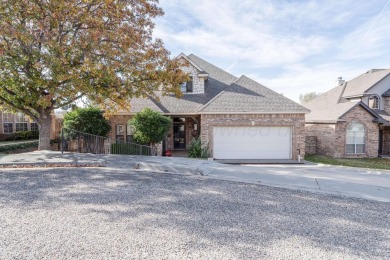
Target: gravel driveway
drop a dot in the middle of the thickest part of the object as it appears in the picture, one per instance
(97, 213)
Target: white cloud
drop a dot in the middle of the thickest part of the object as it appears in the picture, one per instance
(290, 46)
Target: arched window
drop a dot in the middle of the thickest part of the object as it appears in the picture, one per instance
(373, 102)
(355, 141)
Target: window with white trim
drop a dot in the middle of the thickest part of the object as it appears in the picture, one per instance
(355, 141)
(34, 126)
(373, 102)
(20, 122)
(8, 120)
(120, 132)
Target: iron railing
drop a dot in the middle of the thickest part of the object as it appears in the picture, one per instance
(80, 142)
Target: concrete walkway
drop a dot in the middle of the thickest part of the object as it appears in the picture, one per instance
(347, 181)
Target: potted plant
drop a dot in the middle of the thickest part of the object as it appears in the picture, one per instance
(168, 153)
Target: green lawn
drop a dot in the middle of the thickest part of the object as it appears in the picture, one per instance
(373, 163)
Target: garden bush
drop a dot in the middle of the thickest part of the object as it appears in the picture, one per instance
(24, 135)
(11, 147)
(196, 150)
(88, 120)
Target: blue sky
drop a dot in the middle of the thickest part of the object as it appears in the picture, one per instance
(292, 47)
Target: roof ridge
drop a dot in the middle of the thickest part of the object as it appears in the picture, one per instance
(182, 55)
(209, 64)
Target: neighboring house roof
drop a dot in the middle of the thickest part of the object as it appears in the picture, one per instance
(332, 105)
(247, 95)
(229, 93)
(361, 84)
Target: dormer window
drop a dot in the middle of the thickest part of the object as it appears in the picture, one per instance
(186, 87)
(373, 102)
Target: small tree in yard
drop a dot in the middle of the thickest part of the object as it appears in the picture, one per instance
(149, 127)
(55, 52)
(87, 120)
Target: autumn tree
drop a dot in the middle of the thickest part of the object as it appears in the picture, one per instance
(54, 52)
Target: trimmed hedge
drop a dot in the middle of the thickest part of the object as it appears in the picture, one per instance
(24, 135)
(11, 147)
(130, 149)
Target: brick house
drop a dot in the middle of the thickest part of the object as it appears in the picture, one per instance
(237, 118)
(17, 122)
(351, 120)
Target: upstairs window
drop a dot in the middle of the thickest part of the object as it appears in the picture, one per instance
(186, 87)
(21, 122)
(373, 102)
(355, 141)
(8, 120)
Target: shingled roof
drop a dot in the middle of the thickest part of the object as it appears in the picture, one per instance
(247, 95)
(330, 106)
(364, 82)
(223, 93)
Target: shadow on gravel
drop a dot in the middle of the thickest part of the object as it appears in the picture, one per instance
(241, 216)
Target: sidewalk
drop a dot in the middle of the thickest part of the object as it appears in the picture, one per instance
(347, 181)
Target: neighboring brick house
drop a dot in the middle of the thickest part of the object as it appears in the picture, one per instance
(237, 118)
(14, 122)
(352, 119)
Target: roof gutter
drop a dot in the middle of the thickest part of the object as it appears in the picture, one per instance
(252, 112)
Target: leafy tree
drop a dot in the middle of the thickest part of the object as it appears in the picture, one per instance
(304, 98)
(89, 120)
(55, 52)
(149, 127)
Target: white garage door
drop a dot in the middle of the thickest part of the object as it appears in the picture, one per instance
(252, 142)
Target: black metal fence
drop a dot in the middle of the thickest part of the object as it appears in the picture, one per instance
(80, 142)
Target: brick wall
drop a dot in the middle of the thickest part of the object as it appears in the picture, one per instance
(311, 145)
(372, 133)
(296, 121)
(325, 134)
(386, 104)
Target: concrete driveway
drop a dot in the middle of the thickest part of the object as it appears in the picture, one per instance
(347, 181)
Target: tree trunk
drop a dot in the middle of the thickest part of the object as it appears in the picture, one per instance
(44, 132)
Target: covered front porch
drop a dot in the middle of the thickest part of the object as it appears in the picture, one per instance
(384, 141)
(184, 129)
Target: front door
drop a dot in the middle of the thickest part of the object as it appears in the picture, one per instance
(380, 148)
(179, 133)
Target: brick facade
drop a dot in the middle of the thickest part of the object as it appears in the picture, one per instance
(189, 128)
(331, 138)
(311, 145)
(386, 104)
(325, 134)
(372, 133)
(296, 121)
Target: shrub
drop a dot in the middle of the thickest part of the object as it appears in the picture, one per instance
(149, 126)
(196, 150)
(11, 147)
(24, 135)
(88, 120)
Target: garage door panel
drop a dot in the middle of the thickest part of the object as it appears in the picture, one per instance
(252, 142)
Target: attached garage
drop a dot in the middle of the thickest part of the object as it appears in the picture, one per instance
(252, 142)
